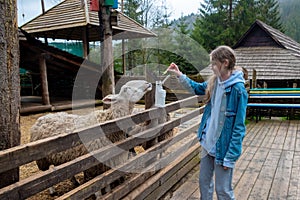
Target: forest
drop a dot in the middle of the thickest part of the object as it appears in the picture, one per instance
(216, 23)
(290, 17)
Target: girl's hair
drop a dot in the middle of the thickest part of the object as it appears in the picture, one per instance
(220, 54)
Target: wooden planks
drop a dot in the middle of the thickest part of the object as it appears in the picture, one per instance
(269, 172)
(269, 166)
(157, 185)
(190, 189)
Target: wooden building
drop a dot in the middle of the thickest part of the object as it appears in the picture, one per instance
(53, 71)
(274, 56)
(50, 74)
(73, 20)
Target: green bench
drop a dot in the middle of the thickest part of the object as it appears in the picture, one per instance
(273, 98)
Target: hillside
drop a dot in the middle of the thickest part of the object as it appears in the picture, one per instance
(290, 15)
(188, 19)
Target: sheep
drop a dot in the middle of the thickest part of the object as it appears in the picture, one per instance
(122, 104)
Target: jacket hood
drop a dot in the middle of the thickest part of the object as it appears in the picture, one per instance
(236, 77)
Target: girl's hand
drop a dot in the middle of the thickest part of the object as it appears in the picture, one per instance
(174, 69)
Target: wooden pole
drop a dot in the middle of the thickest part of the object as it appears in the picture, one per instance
(254, 81)
(85, 30)
(108, 79)
(294, 85)
(150, 96)
(44, 81)
(43, 6)
(85, 39)
(43, 11)
(123, 44)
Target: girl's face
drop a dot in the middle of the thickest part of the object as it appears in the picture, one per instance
(216, 67)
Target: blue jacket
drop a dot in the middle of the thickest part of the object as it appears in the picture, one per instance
(231, 122)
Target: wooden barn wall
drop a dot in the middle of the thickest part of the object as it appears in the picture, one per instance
(258, 37)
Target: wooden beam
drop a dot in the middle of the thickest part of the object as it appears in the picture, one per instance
(34, 109)
(44, 80)
(166, 185)
(88, 65)
(150, 96)
(141, 178)
(85, 40)
(107, 64)
(152, 185)
(254, 81)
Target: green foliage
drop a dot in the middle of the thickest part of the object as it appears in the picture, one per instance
(149, 14)
(225, 21)
(268, 12)
(247, 122)
(189, 52)
(132, 10)
(214, 26)
(169, 45)
(290, 16)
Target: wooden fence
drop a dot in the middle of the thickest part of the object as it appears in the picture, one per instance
(151, 184)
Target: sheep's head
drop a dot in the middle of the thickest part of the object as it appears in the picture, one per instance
(132, 92)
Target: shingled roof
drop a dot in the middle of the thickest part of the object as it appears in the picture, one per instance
(271, 53)
(68, 19)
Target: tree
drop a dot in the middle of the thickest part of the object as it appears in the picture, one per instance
(150, 14)
(214, 26)
(290, 16)
(161, 16)
(9, 84)
(247, 11)
(244, 16)
(225, 21)
(190, 54)
(147, 12)
(268, 12)
(131, 9)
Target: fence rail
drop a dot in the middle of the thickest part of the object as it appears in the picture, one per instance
(20, 155)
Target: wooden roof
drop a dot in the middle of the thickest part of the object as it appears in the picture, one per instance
(261, 34)
(68, 19)
(270, 63)
(271, 53)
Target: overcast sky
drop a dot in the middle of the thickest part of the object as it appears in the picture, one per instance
(28, 9)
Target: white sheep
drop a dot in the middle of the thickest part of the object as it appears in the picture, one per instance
(122, 104)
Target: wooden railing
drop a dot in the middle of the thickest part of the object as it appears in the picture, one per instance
(184, 158)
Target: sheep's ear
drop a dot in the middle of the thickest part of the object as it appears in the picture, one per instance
(110, 99)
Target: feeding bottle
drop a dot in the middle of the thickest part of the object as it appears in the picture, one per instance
(160, 94)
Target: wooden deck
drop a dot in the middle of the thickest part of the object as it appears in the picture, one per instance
(269, 167)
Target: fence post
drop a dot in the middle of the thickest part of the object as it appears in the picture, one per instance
(254, 81)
